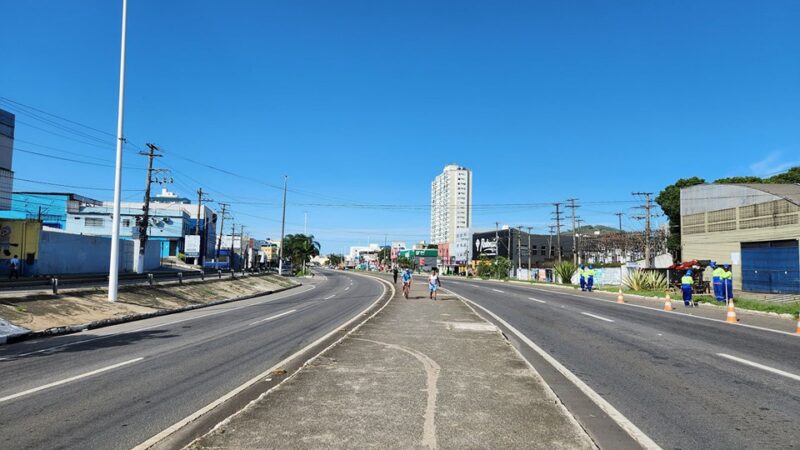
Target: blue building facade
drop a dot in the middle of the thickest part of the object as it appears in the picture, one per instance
(50, 208)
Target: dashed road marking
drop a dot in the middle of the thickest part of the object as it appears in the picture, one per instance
(347, 288)
(536, 300)
(67, 380)
(285, 313)
(330, 297)
(498, 290)
(596, 317)
(760, 366)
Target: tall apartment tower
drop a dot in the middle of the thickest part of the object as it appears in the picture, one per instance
(7, 122)
(451, 203)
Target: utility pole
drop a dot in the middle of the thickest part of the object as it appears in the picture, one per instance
(230, 255)
(113, 267)
(242, 247)
(144, 222)
(648, 205)
(558, 230)
(621, 233)
(550, 242)
(619, 216)
(573, 206)
(200, 199)
(529, 252)
(519, 249)
(221, 230)
(283, 226)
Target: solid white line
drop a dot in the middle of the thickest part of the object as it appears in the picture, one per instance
(192, 417)
(330, 297)
(536, 300)
(596, 317)
(761, 366)
(637, 434)
(498, 290)
(285, 313)
(67, 380)
(106, 336)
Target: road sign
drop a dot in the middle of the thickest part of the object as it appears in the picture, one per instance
(191, 247)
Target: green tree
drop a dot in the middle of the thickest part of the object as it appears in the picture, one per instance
(669, 199)
(385, 255)
(335, 260)
(790, 176)
(300, 248)
(502, 266)
(736, 180)
(404, 262)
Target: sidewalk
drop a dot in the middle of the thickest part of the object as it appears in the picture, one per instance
(420, 374)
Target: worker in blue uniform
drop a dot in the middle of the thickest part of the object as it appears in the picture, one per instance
(716, 281)
(581, 277)
(727, 282)
(687, 283)
(589, 273)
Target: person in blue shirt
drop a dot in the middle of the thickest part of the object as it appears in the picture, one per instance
(581, 277)
(589, 273)
(687, 283)
(406, 282)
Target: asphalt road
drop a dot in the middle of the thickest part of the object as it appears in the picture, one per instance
(116, 387)
(664, 372)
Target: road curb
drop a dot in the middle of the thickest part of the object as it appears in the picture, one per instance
(70, 329)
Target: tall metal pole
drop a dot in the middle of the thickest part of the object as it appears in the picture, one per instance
(529, 252)
(113, 269)
(283, 226)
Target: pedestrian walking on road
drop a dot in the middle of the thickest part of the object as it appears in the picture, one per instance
(582, 277)
(589, 274)
(687, 283)
(394, 274)
(434, 283)
(406, 283)
(13, 268)
(716, 281)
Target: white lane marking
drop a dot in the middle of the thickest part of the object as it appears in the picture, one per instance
(67, 380)
(285, 313)
(106, 336)
(661, 310)
(536, 300)
(347, 288)
(330, 297)
(266, 374)
(760, 366)
(637, 434)
(596, 317)
(498, 290)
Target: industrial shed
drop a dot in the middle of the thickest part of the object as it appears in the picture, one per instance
(754, 227)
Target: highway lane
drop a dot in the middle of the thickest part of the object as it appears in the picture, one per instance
(665, 372)
(118, 386)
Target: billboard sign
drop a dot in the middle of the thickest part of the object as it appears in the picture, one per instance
(191, 246)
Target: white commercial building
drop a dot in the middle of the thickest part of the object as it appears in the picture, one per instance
(451, 203)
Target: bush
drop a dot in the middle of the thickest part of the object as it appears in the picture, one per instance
(565, 270)
(645, 280)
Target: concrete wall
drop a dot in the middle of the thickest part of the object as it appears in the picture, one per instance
(64, 253)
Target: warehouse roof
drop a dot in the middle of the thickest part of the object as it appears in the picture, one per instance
(790, 192)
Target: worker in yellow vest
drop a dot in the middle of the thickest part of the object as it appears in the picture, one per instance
(716, 281)
(589, 274)
(687, 284)
(727, 283)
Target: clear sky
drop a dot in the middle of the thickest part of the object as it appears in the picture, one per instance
(361, 103)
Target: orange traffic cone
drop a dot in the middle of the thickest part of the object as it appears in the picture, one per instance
(620, 300)
(731, 313)
(798, 325)
(667, 303)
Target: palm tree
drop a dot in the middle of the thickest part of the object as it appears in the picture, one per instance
(300, 248)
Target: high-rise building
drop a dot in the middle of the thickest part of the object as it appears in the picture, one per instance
(6, 157)
(451, 203)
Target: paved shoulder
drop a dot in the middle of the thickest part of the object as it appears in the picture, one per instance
(421, 373)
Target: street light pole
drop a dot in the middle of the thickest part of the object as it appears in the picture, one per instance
(113, 269)
(283, 227)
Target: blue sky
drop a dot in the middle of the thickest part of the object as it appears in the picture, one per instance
(361, 103)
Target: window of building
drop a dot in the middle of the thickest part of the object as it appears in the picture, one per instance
(93, 222)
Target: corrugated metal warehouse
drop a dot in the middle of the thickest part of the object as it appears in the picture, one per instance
(754, 227)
